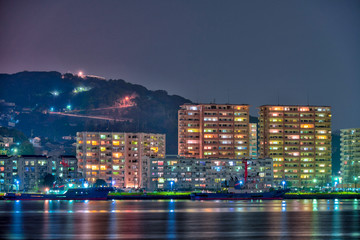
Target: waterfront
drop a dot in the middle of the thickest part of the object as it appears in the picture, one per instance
(159, 219)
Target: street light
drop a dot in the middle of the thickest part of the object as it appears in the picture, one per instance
(17, 185)
(283, 183)
(171, 184)
(355, 178)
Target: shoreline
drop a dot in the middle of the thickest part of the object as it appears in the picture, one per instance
(187, 197)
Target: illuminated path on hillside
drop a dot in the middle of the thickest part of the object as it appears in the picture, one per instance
(91, 117)
(106, 108)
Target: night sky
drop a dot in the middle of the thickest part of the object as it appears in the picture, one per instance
(253, 52)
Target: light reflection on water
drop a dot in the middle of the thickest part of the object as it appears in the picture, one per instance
(179, 218)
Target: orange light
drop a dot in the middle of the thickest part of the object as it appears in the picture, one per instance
(304, 109)
(117, 155)
(307, 125)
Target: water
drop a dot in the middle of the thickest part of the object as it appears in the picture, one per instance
(166, 219)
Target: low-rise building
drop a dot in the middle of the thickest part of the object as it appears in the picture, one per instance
(27, 172)
(203, 174)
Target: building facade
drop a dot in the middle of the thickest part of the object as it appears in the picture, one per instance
(173, 173)
(298, 139)
(253, 142)
(350, 156)
(115, 156)
(27, 172)
(213, 131)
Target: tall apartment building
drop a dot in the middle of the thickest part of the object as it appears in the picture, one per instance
(298, 139)
(30, 170)
(253, 150)
(204, 174)
(213, 131)
(350, 155)
(115, 156)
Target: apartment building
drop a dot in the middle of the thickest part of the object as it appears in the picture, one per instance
(203, 174)
(115, 156)
(213, 131)
(350, 156)
(253, 142)
(27, 172)
(298, 139)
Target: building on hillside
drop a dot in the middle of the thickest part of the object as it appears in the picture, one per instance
(173, 173)
(213, 131)
(27, 172)
(115, 156)
(5, 145)
(350, 156)
(298, 139)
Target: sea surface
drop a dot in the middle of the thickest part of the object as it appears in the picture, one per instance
(183, 219)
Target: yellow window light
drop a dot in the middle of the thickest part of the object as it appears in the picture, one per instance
(155, 149)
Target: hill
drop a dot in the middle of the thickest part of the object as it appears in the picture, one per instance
(54, 105)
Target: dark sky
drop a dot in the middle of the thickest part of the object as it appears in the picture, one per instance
(245, 51)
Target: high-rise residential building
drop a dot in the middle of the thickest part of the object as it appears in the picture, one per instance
(204, 174)
(350, 156)
(253, 140)
(115, 156)
(298, 139)
(213, 131)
